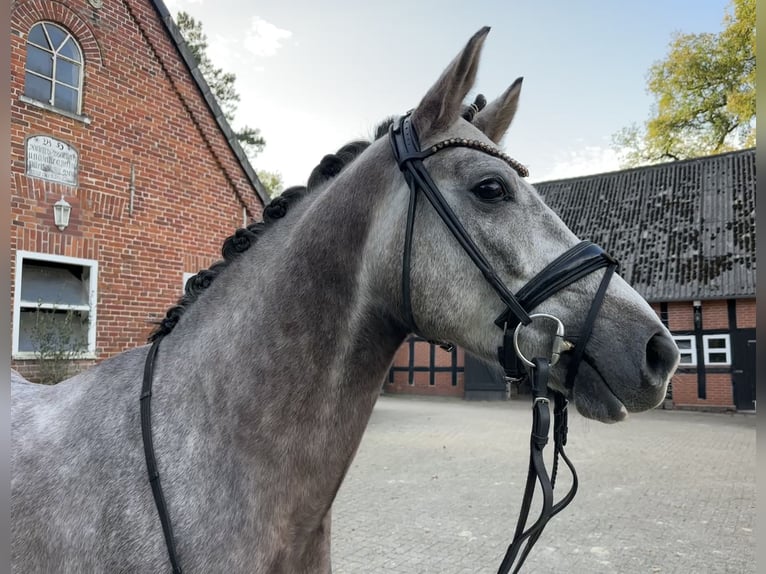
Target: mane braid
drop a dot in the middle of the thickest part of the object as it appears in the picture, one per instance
(234, 245)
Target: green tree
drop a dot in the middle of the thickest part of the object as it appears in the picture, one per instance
(221, 83)
(704, 94)
(272, 181)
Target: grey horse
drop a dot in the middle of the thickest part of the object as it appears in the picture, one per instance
(271, 364)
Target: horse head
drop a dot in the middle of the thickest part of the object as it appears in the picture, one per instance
(629, 358)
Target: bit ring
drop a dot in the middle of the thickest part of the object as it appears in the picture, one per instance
(559, 344)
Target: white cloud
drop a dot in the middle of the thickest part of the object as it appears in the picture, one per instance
(221, 50)
(264, 38)
(587, 160)
(174, 6)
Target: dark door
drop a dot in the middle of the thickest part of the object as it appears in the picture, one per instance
(743, 369)
(483, 381)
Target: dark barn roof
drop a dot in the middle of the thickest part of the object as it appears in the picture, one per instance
(682, 231)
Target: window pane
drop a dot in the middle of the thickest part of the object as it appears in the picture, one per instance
(683, 344)
(39, 61)
(37, 88)
(56, 285)
(52, 331)
(716, 343)
(686, 359)
(68, 73)
(37, 36)
(56, 34)
(69, 49)
(66, 98)
(717, 358)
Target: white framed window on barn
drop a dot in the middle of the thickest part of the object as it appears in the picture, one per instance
(60, 293)
(687, 347)
(717, 349)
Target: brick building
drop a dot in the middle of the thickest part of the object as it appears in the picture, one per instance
(684, 233)
(110, 116)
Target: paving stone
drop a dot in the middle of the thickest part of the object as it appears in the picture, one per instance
(437, 484)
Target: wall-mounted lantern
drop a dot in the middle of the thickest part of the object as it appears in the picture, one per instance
(61, 211)
(697, 314)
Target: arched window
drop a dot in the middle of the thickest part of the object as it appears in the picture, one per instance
(54, 67)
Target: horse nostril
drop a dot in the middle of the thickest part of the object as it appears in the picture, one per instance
(661, 358)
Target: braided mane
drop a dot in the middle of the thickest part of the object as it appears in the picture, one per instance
(234, 245)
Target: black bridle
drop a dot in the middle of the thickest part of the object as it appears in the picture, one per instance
(579, 261)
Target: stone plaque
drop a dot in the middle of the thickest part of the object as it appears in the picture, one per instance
(51, 159)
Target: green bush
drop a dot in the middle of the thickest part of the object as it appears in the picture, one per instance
(58, 341)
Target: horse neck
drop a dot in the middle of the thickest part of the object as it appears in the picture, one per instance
(292, 342)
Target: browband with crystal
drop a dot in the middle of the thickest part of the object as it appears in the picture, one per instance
(481, 146)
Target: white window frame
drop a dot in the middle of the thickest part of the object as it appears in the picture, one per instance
(707, 350)
(92, 264)
(692, 350)
(55, 56)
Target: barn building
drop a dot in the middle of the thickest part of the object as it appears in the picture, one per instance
(684, 233)
(126, 176)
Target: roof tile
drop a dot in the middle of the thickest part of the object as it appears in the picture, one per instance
(683, 230)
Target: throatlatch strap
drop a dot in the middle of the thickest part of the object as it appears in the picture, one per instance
(151, 459)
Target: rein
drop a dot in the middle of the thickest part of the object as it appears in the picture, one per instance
(579, 261)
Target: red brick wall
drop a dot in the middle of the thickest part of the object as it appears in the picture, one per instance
(715, 315)
(680, 316)
(419, 384)
(718, 391)
(146, 112)
(685, 389)
(746, 309)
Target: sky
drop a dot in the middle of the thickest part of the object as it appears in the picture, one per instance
(315, 75)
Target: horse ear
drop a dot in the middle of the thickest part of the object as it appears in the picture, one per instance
(495, 118)
(441, 105)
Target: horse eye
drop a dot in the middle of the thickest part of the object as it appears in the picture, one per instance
(491, 190)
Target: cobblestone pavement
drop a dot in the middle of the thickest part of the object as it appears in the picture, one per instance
(437, 484)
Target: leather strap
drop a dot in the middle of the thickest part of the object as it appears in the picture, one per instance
(151, 459)
(587, 328)
(574, 264)
(524, 537)
(406, 260)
